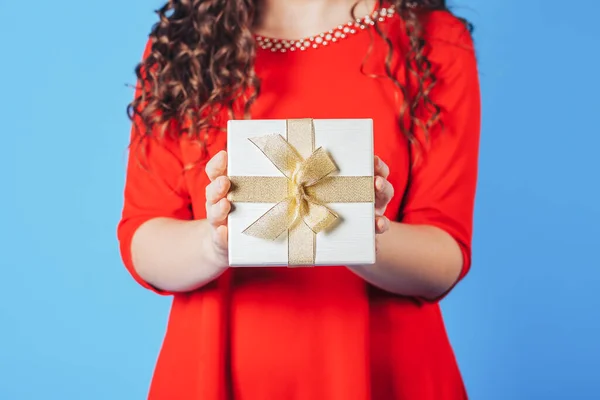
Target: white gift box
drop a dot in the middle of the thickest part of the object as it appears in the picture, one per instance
(350, 240)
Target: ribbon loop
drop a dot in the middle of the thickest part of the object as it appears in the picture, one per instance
(279, 152)
(316, 167)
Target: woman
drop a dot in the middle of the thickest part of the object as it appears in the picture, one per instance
(332, 333)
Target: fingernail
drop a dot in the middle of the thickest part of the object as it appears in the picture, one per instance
(378, 183)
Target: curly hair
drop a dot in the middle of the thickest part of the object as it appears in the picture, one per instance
(201, 63)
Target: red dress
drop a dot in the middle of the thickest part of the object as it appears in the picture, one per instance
(322, 333)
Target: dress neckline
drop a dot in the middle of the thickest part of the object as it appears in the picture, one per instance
(324, 39)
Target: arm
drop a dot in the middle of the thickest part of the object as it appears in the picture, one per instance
(161, 246)
(429, 251)
(414, 260)
(174, 256)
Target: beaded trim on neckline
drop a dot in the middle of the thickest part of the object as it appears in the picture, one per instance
(325, 38)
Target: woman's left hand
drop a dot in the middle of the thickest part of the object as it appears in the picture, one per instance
(384, 191)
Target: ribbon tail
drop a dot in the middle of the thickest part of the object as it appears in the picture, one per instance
(318, 217)
(274, 222)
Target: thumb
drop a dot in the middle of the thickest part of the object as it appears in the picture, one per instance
(220, 238)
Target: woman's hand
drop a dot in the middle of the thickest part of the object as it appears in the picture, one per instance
(217, 205)
(384, 191)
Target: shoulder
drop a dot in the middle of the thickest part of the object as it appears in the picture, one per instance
(147, 48)
(442, 28)
(445, 36)
(449, 45)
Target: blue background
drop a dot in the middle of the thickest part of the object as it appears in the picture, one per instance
(525, 324)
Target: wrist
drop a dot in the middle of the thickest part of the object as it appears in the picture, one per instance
(214, 258)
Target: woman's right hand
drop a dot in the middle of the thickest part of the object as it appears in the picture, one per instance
(217, 204)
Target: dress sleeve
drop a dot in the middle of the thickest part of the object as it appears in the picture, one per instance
(444, 176)
(154, 187)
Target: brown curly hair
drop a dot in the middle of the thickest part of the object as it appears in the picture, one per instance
(201, 63)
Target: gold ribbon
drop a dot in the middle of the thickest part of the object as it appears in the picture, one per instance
(301, 194)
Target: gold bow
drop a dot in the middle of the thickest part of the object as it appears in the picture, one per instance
(300, 195)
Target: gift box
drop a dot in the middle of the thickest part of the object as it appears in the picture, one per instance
(302, 192)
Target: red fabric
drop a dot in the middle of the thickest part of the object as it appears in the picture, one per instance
(322, 333)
